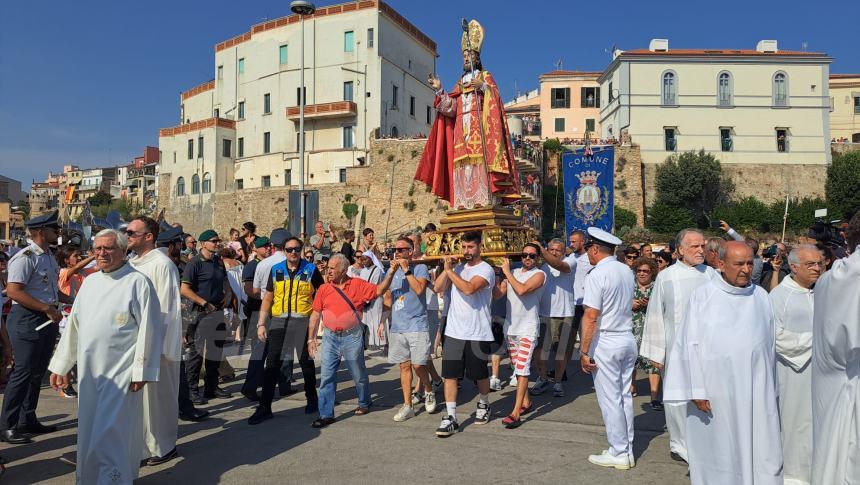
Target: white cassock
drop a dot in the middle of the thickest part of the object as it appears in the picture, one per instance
(373, 311)
(836, 374)
(161, 399)
(666, 309)
(725, 353)
(114, 337)
(792, 314)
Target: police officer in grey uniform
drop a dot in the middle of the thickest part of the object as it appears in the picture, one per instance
(34, 289)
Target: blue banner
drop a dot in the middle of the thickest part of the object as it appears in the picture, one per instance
(588, 188)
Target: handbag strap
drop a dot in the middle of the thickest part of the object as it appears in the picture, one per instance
(348, 302)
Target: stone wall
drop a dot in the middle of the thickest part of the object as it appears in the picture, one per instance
(839, 148)
(766, 182)
(384, 190)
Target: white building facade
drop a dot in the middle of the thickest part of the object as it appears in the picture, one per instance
(762, 106)
(365, 69)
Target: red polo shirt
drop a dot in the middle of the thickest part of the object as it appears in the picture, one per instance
(336, 313)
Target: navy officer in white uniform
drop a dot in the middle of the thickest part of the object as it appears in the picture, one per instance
(34, 290)
(609, 348)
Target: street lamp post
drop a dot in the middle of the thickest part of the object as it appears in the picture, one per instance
(302, 8)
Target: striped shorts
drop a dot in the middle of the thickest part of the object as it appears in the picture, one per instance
(521, 350)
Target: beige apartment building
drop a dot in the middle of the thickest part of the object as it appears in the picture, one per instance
(845, 107)
(761, 106)
(569, 104)
(365, 70)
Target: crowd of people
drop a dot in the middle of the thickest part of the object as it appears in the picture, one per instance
(751, 355)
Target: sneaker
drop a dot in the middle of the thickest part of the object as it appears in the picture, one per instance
(557, 390)
(631, 459)
(482, 415)
(417, 398)
(69, 392)
(437, 384)
(605, 459)
(448, 427)
(495, 383)
(513, 382)
(405, 413)
(540, 387)
(430, 403)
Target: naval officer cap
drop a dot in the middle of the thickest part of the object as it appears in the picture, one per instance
(174, 234)
(602, 238)
(51, 219)
(279, 237)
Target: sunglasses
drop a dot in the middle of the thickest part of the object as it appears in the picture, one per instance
(134, 233)
(631, 256)
(643, 271)
(529, 256)
(293, 250)
(402, 250)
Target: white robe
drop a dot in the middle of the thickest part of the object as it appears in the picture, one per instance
(373, 311)
(725, 353)
(792, 313)
(836, 374)
(114, 337)
(666, 309)
(161, 399)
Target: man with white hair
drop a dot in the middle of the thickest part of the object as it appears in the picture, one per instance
(792, 302)
(666, 309)
(836, 368)
(338, 304)
(114, 337)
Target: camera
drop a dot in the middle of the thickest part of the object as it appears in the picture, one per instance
(771, 251)
(824, 231)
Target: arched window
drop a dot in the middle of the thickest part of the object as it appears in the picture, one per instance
(207, 183)
(195, 184)
(394, 132)
(670, 89)
(180, 186)
(724, 89)
(780, 89)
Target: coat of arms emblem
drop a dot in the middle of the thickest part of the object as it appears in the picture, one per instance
(589, 202)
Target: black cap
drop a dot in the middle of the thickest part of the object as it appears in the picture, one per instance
(279, 237)
(51, 219)
(169, 235)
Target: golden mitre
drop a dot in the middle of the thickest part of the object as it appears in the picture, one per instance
(475, 39)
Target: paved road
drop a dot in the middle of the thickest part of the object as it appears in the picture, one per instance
(552, 446)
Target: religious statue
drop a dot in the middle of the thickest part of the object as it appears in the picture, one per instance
(468, 159)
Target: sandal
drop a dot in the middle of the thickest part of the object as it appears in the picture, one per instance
(511, 422)
(527, 409)
(360, 411)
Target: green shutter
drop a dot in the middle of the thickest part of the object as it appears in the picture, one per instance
(282, 54)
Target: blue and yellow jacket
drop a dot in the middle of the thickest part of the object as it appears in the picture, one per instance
(293, 295)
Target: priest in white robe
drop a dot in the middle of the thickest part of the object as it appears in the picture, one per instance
(114, 338)
(723, 365)
(160, 399)
(666, 309)
(792, 302)
(836, 369)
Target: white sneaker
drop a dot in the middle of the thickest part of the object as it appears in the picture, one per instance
(558, 390)
(405, 413)
(417, 398)
(513, 382)
(621, 462)
(430, 402)
(631, 459)
(495, 383)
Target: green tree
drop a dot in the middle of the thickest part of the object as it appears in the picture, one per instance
(23, 206)
(748, 214)
(101, 198)
(553, 145)
(668, 219)
(693, 181)
(843, 184)
(624, 218)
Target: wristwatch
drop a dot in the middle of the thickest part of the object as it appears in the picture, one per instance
(408, 272)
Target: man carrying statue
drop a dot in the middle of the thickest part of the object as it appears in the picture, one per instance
(468, 159)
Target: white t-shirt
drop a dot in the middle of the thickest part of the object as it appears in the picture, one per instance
(469, 316)
(522, 317)
(583, 266)
(557, 300)
(608, 289)
(264, 271)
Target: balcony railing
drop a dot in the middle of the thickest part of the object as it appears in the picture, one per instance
(324, 110)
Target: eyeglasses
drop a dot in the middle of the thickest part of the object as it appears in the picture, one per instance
(529, 256)
(190, 242)
(214, 241)
(632, 256)
(402, 250)
(648, 271)
(293, 250)
(135, 233)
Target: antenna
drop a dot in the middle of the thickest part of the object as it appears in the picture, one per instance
(558, 64)
(804, 45)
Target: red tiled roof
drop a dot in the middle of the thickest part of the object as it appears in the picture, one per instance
(200, 88)
(333, 10)
(558, 73)
(719, 52)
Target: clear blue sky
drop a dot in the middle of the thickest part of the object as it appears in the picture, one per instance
(91, 82)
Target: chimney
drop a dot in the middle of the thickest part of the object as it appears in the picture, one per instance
(659, 45)
(768, 46)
